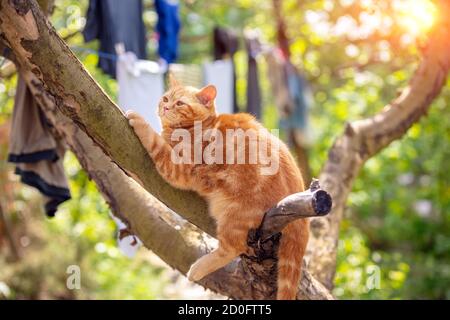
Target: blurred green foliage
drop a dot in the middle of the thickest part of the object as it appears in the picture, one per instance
(397, 224)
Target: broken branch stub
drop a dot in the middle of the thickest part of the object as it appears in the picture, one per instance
(309, 203)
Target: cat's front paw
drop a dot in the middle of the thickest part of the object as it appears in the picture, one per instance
(195, 273)
(140, 126)
(134, 118)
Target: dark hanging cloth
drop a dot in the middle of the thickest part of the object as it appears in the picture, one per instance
(226, 44)
(277, 75)
(298, 89)
(168, 27)
(291, 92)
(253, 89)
(37, 154)
(113, 22)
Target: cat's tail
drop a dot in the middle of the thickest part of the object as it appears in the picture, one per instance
(290, 255)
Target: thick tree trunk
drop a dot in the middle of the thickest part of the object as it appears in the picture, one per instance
(176, 241)
(363, 139)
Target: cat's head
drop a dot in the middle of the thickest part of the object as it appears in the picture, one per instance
(181, 106)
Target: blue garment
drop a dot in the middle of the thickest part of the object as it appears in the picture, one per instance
(297, 86)
(113, 22)
(168, 27)
(253, 88)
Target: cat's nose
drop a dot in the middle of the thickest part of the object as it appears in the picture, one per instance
(165, 109)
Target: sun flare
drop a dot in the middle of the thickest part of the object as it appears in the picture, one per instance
(417, 16)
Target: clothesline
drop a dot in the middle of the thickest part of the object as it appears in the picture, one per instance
(101, 54)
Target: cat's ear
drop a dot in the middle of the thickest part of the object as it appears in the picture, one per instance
(173, 82)
(206, 95)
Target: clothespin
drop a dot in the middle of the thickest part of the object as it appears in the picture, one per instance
(120, 48)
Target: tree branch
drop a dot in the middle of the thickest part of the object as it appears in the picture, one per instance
(310, 203)
(8, 69)
(363, 139)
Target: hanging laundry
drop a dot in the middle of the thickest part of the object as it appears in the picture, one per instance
(301, 96)
(113, 22)
(253, 89)
(225, 46)
(37, 154)
(277, 74)
(187, 74)
(141, 86)
(226, 43)
(292, 95)
(168, 27)
(220, 74)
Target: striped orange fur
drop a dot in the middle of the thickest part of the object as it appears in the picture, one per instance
(237, 194)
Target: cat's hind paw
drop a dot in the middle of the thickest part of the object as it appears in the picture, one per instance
(195, 273)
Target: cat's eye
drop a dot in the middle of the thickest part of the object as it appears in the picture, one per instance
(180, 103)
(165, 99)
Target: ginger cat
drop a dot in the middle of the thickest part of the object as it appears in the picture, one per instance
(238, 195)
